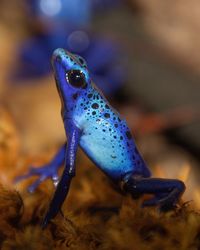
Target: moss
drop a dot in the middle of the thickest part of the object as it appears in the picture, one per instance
(94, 226)
(96, 216)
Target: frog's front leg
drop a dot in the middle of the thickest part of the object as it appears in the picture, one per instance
(167, 192)
(67, 175)
(49, 170)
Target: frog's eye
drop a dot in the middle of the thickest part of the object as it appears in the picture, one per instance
(76, 78)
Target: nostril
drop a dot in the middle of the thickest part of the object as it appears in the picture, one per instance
(57, 54)
(58, 58)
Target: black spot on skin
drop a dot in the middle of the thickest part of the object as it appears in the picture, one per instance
(107, 107)
(95, 105)
(114, 118)
(107, 115)
(81, 60)
(93, 113)
(113, 156)
(75, 96)
(121, 137)
(103, 130)
(85, 108)
(98, 120)
(133, 157)
(81, 104)
(90, 95)
(128, 134)
(115, 136)
(136, 151)
(110, 129)
(116, 125)
(119, 119)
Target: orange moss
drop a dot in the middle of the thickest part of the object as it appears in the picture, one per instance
(96, 216)
(95, 227)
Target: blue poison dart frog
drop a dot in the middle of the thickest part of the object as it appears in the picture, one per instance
(91, 123)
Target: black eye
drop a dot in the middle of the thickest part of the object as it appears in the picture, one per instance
(76, 78)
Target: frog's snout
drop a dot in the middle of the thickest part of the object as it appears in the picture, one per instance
(57, 55)
(61, 56)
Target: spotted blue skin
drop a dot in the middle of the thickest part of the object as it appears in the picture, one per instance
(91, 123)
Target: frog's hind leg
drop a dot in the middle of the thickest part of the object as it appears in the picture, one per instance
(49, 170)
(167, 192)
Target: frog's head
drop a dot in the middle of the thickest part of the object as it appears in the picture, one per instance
(72, 77)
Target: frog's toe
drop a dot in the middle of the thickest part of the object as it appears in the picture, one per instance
(44, 173)
(25, 176)
(168, 204)
(55, 179)
(33, 187)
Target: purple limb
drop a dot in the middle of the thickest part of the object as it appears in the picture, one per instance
(49, 170)
(67, 175)
(167, 192)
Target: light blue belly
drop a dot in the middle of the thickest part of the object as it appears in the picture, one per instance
(105, 152)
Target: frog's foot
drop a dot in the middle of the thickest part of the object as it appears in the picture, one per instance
(45, 172)
(166, 192)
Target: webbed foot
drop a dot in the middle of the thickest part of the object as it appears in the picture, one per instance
(43, 173)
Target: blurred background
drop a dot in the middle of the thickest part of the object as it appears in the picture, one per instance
(145, 57)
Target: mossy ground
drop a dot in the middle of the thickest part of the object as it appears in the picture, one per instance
(94, 216)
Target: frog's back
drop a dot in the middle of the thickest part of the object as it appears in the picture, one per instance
(106, 138)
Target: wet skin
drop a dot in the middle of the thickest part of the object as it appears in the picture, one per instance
(91, 123)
